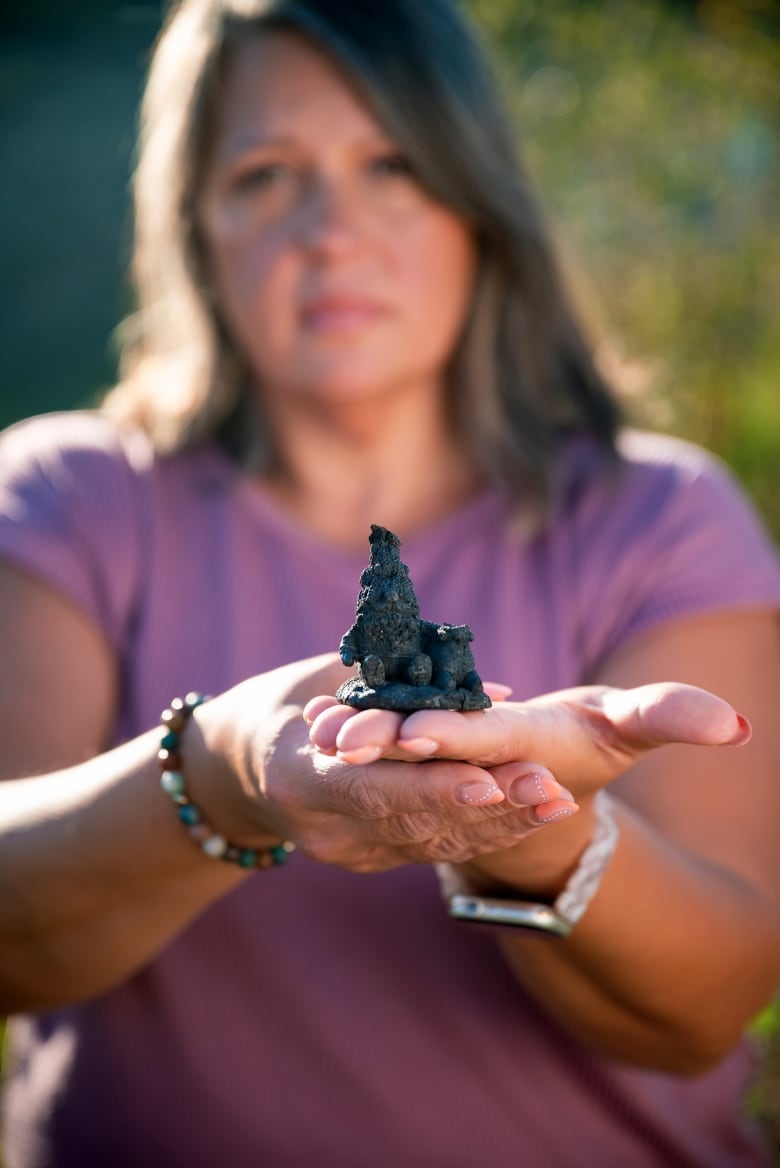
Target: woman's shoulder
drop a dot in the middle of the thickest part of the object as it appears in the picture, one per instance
(88, 456)
(74, 509)
(652, 473)
(72, 469)
(669, 533)
(73, 437)
(665, 500)
(682, 486)
(661, 456)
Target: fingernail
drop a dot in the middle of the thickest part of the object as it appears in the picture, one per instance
(543, 815)
(527, 790)
(419, 745)
(475, 794)
(530, 791)
(744, 732)
(360, 756)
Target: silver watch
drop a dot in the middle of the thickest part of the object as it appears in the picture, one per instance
(517, 914)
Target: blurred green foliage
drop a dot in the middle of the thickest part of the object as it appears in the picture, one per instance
(653, 133)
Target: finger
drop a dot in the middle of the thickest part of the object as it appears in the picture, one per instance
(324, 730)
(486, 736)
(370, 735)
(533, 786)
(387, 788)
(496, 691)
(317, 706)
(491, 835)
(356, 736)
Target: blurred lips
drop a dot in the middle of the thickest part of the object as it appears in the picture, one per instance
(337, 313)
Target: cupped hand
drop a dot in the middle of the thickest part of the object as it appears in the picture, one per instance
(394, 812)
(378, 816)
(587, 736)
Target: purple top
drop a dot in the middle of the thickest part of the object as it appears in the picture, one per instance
(313, 1015)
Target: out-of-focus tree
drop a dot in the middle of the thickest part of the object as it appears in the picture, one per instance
(653, 131)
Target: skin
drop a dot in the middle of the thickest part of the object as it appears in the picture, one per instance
(345, 284)
(341, 277)
(649, 974)
(681, 945)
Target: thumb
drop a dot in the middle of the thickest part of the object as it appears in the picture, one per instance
(666, 712)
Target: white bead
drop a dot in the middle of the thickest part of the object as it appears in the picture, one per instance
(215, 846)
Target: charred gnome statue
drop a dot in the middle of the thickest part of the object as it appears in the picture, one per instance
(404, 663)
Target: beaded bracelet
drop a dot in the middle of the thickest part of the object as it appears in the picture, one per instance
(174, 719)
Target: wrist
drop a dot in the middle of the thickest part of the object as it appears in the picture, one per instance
(516, 909)
(213, 758)
(538, 866)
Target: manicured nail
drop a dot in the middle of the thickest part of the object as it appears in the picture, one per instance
(543, 815)
(361, 756)
(475, 794)
(530, 791)
(744, 732)
(419, 745)
(527, 791)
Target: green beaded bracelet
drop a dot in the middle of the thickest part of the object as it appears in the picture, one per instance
(174, 719)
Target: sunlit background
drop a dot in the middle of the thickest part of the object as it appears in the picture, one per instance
(653, 131)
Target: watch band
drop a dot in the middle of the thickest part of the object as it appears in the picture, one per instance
(558, 919)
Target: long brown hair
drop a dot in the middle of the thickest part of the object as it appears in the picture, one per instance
(522, 375)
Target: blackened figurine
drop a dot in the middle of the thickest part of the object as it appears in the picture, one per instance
(404, 663)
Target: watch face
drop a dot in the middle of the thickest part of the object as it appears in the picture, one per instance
(513, 914)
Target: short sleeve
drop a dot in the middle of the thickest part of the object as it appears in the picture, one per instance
(675, 535)
(72, 501)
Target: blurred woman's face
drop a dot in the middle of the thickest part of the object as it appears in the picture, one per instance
(338, 274)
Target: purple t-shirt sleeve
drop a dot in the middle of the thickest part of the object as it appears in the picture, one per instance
(679, 537)
(71, 511)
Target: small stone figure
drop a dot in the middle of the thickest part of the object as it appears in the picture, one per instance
(404, 663)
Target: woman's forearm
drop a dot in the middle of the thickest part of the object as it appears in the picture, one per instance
(97, 874)
(668, 964)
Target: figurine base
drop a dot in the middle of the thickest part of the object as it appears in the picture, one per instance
(396, 695)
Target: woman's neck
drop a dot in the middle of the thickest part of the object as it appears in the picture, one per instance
(345, 467)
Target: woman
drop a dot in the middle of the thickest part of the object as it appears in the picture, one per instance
(349, 313)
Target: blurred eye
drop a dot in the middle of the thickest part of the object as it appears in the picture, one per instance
(392, 164)
(262, 176)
